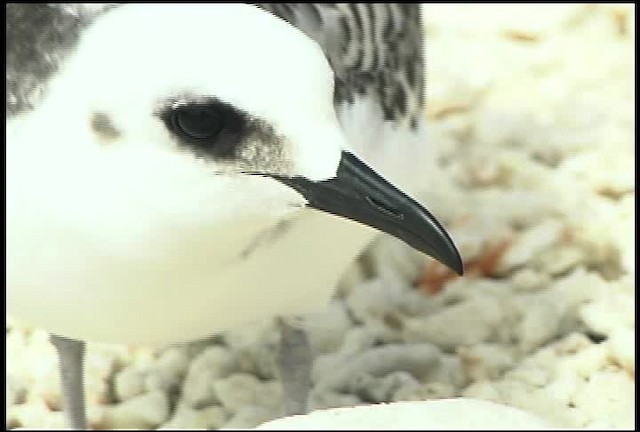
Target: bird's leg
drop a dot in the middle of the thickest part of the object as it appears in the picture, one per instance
(295, 363)
(71, 360)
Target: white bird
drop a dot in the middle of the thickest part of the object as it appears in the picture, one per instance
(166, 164)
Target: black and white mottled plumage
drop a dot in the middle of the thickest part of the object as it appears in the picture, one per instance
(374, 48)
(39, 38)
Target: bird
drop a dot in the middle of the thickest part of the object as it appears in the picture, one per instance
(177, 170)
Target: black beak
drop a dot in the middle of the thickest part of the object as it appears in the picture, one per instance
(360, 194)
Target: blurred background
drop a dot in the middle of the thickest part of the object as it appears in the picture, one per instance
(531, 112)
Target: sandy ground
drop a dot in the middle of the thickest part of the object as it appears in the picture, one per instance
(531, 113)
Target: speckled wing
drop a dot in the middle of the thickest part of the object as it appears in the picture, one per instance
(375, 49)
(38, 38)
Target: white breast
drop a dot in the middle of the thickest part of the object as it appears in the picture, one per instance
(111, 264)
(72, 269)
(165, 298)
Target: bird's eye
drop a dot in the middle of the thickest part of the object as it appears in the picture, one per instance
(209, 127)
(197, 121)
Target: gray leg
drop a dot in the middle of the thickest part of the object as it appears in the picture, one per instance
(295, 363)
(71, 358)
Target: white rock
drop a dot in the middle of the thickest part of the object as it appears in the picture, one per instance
(129, 382)
(255, 348)
(531, 375)
(174, 360)
(588, 360)
(215, 416)
(324, 399)
(101, 362)
(578, 287)
(262, 358)
(548, 381)
(168, 370)
(413, 303)
(378, 304)
(392, 257)
(142, 357)
(486, 361)
(535, 400)
(249, 417)
(455, 292)
(141, 412)
(35, 415)
(531, 242)
(47, 386)
(96, 416)
(15, 390)
(540, 323)
(528, 279)
(240, 389)
(327, 329)
(517, 207)
(161, 379)
(625, 230)
(16, 346)
(564, 387)
(213, 363)
(571, 344)
(417, 359)
(612, 311)
(448, 370)
(353, 275)
(482, 172)
(431, 415)
(356, 340)
(383, 389)
(546, 314)
(32, 362)
(466, 323)
(561, 259)
(423, 392)
(186, 417)
(618, 178)
(608, 398)
(474, 235)
(485, 390)
(623, 348)
(374, 299)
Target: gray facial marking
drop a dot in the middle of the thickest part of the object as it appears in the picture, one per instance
(239, 141)
(102, 125)
(264, 151)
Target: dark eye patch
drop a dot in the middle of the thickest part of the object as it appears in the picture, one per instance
(208, 127)
(216, 130)
(197, 122)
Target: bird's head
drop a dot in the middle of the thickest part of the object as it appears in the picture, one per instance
(229, 98)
